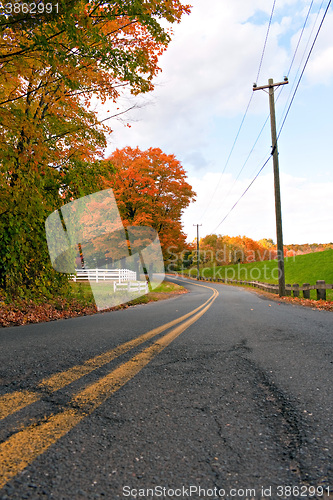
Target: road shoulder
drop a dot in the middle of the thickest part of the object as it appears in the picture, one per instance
(23, 312)
(321, 305)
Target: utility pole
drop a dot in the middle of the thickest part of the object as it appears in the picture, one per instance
(198, 250)
(275, 155)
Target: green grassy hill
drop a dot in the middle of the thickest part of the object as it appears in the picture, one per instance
(300, 269)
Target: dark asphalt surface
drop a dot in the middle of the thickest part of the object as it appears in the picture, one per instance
(240, 400)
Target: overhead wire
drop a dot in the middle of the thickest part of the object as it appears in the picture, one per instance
(288, 73)
(243, 194)
(304, 67)
(266, 38)
(228, 159)
(244, 116)
(301, 35)
(282, 87)
(302, 57)
(248, 157)
(286, 114)
(296, 50)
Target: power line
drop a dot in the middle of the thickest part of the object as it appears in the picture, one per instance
(248, 157)
(288, 72)
(281, 89)
(284, 119)
(243, 194)
(265, 43)
(300, 38)
(304, 67)
(245, 114)
(228, 159)
(303, 55)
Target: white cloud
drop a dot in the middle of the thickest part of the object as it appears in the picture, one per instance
(306, 208)
(208, 69)
(206, 83)
(321, 68)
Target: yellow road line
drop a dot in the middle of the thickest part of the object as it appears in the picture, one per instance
(15, 401)
(10, 403)
(99, 391)
(25, 446)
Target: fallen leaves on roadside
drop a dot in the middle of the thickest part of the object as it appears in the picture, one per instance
(322, 305)
(165, 295)
(27, 311)
(24, 311)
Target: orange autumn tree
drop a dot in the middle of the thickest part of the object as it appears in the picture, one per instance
(224, 250)
(151, 190)
(49, 73)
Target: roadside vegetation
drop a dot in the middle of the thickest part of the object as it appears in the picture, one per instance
(78, 302)
(53, 141)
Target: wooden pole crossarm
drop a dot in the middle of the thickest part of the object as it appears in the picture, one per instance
(269, 86)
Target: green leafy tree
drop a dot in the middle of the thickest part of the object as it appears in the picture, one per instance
(51, 67)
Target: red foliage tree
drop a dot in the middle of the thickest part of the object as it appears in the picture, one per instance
(151, 189)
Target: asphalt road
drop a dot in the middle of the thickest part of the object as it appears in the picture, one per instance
(234, 398)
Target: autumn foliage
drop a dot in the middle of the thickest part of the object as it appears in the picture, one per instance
(227, 250)
(51, 138)
(151, 190)
(51, 71)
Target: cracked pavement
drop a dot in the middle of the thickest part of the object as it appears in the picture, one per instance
(241, 399)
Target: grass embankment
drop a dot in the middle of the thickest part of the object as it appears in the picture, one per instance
(79, 302)
(300, 269)
(163, 291)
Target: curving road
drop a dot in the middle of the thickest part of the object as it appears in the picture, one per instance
(219, 393)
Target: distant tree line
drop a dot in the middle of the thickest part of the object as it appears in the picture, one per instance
(221, 250)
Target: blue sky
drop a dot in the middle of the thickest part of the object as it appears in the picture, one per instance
(199, 101)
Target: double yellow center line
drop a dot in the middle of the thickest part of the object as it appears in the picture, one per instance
(23, 447)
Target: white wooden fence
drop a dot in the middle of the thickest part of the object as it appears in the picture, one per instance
(130, 286)
(122, 279)
(118, 275)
